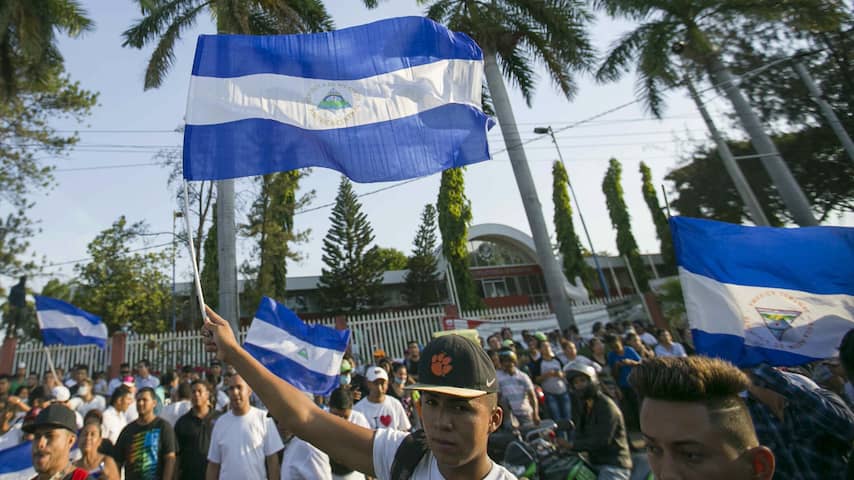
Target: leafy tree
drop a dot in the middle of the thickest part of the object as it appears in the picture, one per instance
(25, 136)
(29, 56)
(621, 221)
(662, 228)
(390, 258)
(352, 277)
(454, 219)
(422, 278)
(271, 224)
(209, 276)
(567, 241)
(122, 286)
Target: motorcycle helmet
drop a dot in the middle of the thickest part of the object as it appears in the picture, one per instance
(576, 368)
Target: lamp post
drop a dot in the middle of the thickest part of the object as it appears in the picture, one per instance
(175, 215)
(548, 131)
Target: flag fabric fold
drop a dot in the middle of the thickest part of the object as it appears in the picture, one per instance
(782, 296)
(307, 356)
(64, 324)
(16, 462)
(390, 100)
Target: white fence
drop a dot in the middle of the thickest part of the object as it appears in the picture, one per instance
(389, 331)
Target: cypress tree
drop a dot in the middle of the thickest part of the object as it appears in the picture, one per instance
(567, 241)
(422, 279)
(621, 221)
(352, 278)
(662, 228)
(454, 218)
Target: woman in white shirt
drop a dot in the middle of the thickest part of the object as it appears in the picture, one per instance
(667, 347)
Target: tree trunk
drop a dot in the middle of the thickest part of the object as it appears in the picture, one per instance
(741, 185)
(533, 209)
(790, 192)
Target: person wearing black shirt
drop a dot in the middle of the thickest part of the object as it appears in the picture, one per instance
(146, 447)
(413, 356)
(193, 433)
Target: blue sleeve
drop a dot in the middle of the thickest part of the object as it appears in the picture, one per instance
(632, 354)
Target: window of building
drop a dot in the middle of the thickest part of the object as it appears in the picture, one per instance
(490, 253)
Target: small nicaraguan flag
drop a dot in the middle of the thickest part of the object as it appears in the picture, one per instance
(395, 99)
(62, 323)
(782, 296)
(16, 463)
(307, 356)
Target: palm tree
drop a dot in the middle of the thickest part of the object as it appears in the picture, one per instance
(28, 28)
(514, 34)
(669, 31)
(163, 22)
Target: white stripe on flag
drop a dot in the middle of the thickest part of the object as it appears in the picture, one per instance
(56, 319)
(722, 308)
(321, 360)
(294, 100)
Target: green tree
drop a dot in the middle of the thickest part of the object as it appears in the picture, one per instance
(514, 35)
(271, 225)
(390, 258)
(29, 56)
(662, 228)
(209, 276)
(567, 241)
(422, 278)
(25, 138)
(124, 287)
(454, 219)
(621, 222)
(352, 277)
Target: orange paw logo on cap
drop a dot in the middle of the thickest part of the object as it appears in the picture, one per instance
(441, 365)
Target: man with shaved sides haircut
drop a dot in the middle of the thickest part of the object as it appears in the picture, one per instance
(695, 423)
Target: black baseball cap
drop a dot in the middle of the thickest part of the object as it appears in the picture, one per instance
(456, 366)
(56, 416)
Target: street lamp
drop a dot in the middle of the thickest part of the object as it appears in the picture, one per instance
(548, 131)
(175, 215)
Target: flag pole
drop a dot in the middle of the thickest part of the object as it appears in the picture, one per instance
(50, 364)
(196, 279)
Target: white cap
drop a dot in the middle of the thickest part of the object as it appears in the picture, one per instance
(22, 365)
(60, 394)
(376, 373)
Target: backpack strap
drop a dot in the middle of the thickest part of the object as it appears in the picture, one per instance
(408, 455)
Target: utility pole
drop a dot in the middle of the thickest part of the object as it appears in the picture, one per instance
(226, 233)
(741, 185)
(826, 109)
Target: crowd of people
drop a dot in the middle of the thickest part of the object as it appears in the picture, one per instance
(625, 387)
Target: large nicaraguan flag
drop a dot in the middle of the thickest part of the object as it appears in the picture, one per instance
(395, 99)
(307, 356)
(783, 296)
(62, 323)
(16, 462)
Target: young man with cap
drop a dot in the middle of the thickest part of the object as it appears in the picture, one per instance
(459, 411)
(53, 436)
(381, 410)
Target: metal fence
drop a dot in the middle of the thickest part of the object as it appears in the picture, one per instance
(33, 355)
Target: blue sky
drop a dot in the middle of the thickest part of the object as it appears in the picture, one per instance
(95, 186)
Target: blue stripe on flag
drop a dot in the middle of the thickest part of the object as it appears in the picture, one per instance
(416, 41)
(69, 336)
(452, 135)
(282, 317)
(296, 374)
(17, 458)
(733, 349)
(47, 303)
(811, 259)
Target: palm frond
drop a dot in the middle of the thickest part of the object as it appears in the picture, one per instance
(155, 22)
(164, 55)
(70, 17)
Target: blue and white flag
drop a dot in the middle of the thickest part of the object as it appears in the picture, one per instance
(783, 296)
(395, 99)
(307, 356)
(62, 323)
(16, 463)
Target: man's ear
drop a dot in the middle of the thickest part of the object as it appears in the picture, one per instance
(761, 462)
(496, 419)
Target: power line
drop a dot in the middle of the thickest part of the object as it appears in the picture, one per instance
(87, 259)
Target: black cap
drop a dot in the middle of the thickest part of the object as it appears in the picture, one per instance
(56, 416)
(456, 366)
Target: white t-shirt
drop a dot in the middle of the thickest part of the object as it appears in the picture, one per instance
(112, 424)
(175, 410)
(387, 414)
(552, 385)
(240, 444)
(649, 339)
(676, 350)
(302, 461)
(83, 407)
(387, 441)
